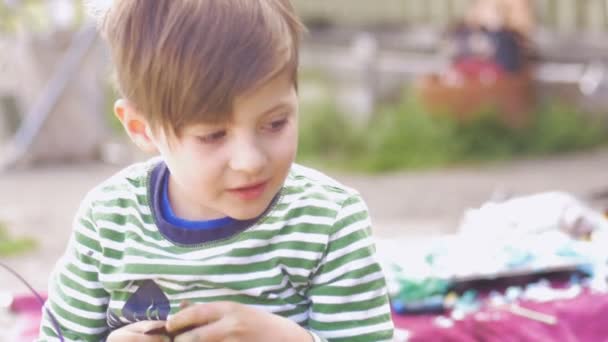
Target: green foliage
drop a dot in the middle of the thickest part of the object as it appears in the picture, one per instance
(401, 138)
(327, 134)
(111, 95)
(32, 15)
(392, 141)
(559, 128)
(487, 138)
(10, 246)
(405, 136)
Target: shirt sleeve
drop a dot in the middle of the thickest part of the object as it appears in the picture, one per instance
(77, 300)
(349, 298)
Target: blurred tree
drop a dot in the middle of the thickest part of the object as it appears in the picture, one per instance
(40, 15)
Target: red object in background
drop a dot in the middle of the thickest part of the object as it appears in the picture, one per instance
(28, 310)
(478, 69)
(26, 303)
(512, 95)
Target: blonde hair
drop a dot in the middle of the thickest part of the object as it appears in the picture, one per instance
(516, 15)
(184, 61)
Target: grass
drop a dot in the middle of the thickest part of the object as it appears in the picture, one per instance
(404, 136)
(10, 246)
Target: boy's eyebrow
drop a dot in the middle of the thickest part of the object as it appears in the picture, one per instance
(213, 125)
(280, 105)
(276, 107)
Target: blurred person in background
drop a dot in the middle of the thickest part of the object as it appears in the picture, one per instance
(492, 40)
(488, 65)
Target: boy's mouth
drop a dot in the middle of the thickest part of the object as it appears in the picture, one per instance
(250, 191)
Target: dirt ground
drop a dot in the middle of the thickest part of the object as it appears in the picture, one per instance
(40, 202)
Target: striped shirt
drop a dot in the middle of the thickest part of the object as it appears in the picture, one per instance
(309, 258)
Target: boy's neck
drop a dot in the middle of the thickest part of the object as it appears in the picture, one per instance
(187, 209)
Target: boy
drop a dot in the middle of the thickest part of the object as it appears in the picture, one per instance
(263, 249)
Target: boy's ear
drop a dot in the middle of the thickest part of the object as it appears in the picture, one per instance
(136, 126)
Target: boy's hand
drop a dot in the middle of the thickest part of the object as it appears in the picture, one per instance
(137, 332)
(228, 321)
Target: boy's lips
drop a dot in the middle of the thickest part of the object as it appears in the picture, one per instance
(250, 191)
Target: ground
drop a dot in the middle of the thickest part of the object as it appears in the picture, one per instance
(40, 202)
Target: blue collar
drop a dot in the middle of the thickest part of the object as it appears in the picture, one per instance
(170, 216)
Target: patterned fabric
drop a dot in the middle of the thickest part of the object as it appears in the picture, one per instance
(309, 258)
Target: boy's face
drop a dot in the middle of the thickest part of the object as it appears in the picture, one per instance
(236, 168)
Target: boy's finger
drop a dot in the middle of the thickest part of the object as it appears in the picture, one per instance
(131, 336)
(197, 315)
(213, 332)
(144, 326)
(135, 332)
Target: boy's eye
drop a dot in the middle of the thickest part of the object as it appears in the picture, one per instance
(276, 125)
(212, 138)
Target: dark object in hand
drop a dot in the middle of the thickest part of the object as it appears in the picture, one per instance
(163, 330)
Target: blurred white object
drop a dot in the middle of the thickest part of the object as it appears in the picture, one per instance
(357, 95)
(98, 8)
(533, 214)
(6, 299)
(62, 12)
(593, 78)
(11, 3)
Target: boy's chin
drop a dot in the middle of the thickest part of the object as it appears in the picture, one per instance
(248, 212)
(241, 216)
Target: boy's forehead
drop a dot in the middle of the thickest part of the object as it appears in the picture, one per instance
(275, 92)
(273, 89)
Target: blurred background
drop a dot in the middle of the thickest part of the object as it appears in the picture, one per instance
(431, 108)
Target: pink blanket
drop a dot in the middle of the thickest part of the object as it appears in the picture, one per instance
(582, 319)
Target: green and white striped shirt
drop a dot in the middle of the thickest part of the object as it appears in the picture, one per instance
(309, 258)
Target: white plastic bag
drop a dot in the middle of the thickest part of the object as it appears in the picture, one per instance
(533, 214)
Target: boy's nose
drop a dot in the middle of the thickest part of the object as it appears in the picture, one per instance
(247, 158)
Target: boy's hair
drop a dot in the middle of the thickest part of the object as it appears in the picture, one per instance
(181, 62)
